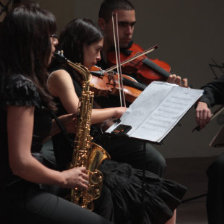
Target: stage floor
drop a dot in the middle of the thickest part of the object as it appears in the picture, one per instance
(191, 172)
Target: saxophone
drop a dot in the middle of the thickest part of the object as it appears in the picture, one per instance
(86, 153)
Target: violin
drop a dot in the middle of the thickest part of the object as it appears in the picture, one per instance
(103, 83)
(144, 69)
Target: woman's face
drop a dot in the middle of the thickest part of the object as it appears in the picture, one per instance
(54, 43)
(91, 53)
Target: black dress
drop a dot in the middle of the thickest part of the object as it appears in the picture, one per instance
(137, 198)
(23, 201)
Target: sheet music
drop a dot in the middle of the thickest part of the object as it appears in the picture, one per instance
(157, 110)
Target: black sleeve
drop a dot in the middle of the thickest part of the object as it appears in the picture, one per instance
(214, 92)
(20, 91)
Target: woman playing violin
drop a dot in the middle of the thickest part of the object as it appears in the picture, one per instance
(60, 80)
(81, 42)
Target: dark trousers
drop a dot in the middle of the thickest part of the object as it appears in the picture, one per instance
(215, 197)
(140, 154)
(27, 203)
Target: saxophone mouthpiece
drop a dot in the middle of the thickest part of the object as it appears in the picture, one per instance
(59, 55)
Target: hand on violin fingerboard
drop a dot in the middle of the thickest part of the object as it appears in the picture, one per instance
(176, 79)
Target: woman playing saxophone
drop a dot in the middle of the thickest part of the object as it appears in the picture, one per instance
(85, 153)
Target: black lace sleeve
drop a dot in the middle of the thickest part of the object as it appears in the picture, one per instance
(20, 91)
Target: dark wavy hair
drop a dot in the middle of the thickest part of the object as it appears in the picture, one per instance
(76, 34)
(108, 6)
(25, 45)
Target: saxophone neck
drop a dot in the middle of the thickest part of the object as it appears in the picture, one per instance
(84, 71)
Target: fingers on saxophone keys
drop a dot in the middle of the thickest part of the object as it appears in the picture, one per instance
(84, 184)
(84, 173)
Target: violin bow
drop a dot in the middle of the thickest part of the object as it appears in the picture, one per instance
(118, 61)
(149, 50)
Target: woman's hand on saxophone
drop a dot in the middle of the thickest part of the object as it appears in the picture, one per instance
(76, 177)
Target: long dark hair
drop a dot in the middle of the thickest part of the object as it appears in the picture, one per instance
(76, 34)
(25, 45)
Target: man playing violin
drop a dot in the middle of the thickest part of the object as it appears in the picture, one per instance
(126, 23)
(136, 152)
(123, 149)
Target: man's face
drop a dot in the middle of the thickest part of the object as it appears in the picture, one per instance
(126, 22)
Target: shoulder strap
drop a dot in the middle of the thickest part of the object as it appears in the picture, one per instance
(62, 128)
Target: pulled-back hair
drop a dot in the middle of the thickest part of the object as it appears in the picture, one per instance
(108, 6)
(25, 45)
(76, 34)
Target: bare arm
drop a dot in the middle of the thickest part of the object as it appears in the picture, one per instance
(60, 85)
(20, 128)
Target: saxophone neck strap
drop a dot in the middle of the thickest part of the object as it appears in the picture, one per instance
(61, 127)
